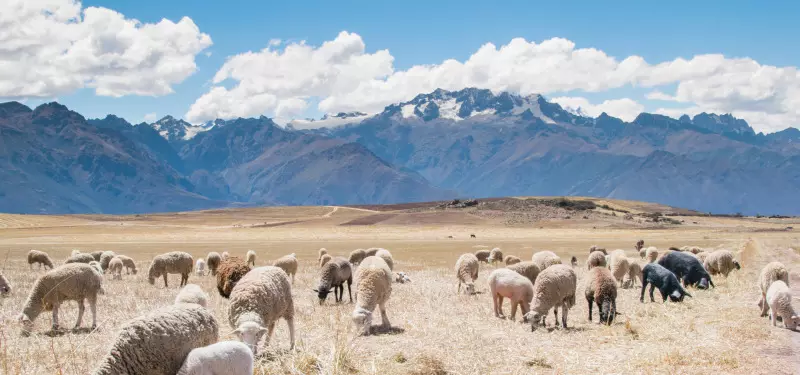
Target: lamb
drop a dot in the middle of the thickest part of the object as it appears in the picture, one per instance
(40, 257)
(721, 262)
(594, 248)
(157, 343)
(288, 264)
(496, 255)
(332, 277)
(687, 268)
(230, 271)
(483, 255)
(545, 259)
(357, 255)
(596, 259)
(528, 269)
(651, 254)
(70, 282)
(373, 289)
(325, 259)
(80, 258)
(251, 258)
(97, 254)
(619, 265)
(505, 283)
(601, 288)
(322, 252)
(779, 300)
(192, 293)
(200, 267)
(258, 300)
(634, 273)
(663, 279)
(467, 267)
(105, 258)
(115, 267)
(96, 265)
(554, 287)
(222, 358)
(212, 261)
(172, 262)
(772, 272)
(574, 261)
(510, 259)
(130, 266)
(387, 257)
(5, 286)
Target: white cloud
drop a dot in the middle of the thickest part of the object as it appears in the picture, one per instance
(626, 109)
(53, 47)
(150, 117)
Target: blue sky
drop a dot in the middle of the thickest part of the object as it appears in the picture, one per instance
(429, 32)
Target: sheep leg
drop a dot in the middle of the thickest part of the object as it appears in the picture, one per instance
(292, 279)
(494, 303)
(653, 289)
(93, 306)
(458, 291)
(270, 330)
(81, 308)
(513, 308)
(764, 305)
(591, 300)
(555, 313)
(290, 323)
(771, 317)
(165, 281)
(384, 317)
(349, 292)
(55, 315)
(644, 286)
(564, 311)
(499, 307)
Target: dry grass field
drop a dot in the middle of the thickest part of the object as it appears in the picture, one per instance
(435, 331)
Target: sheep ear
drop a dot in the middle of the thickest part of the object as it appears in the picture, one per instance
(315, 290)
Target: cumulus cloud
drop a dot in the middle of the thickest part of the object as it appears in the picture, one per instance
(150, 117)
(53, 47)
(626, 109)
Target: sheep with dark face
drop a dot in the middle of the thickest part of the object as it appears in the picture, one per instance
(332, 277)
(663, 279)
(687, 268)
(720, 262)
(601, 288)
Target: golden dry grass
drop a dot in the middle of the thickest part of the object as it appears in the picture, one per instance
(434, 330)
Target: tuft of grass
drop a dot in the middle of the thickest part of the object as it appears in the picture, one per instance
(538, 362)
(631, 330)
(429, 365)
(399, 357)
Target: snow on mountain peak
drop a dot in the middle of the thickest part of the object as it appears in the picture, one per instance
(173, 129)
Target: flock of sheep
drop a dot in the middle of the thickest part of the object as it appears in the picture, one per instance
(260, 296)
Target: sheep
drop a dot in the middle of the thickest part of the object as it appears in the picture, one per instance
(528, 269)
(40, 257)
(483, 255)
(115, 267)
(322, 252)
(130, 266)
(574, 261)
(695, 249)
(554, 287)
(701, 256)
(200, 267)
(401, 278)
(510, 259)
(601, 288)
(772, 272)
(70, 282)
(387, 257)
(545, 259)
(172, 262)
(76, 252)
(192, 293)
(505, 283)
(258, 300)
(721, 262)
(288, 264)
(467, 267)
(80, 258)
(496, 255)
(225, 255)
(619, 265)
(230, 271)
(595, 259)
(373, 289)
(357, 255)
(594, 248)
(779, 300)
(325, 259)
(371, 251)
(212, 261)
(687, 268)
(222, 358)
(642, 253)
(96, 265)
(639, 245)
(251, 258)
(332, 277)
(157, 343)
(105, 258)
(663, 279)
(5, 286)
(97, 254)
(634, 273)
(651, 254)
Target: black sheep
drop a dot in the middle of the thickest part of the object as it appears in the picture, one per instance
(688, 268)
(663, 279)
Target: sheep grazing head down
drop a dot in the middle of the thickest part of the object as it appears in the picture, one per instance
(250, 334)
(792, 322)
(362, 318)
(151, 277)
(469, 289)
(534, 318)
(677, 295)
(322, 293)
(703, 284)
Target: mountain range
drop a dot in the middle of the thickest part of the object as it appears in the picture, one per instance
(444, 144)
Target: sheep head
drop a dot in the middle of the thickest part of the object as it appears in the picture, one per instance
(532, 317)
(322, 293)
(250, 334)
(362, 318)
(469, 289)
(792, 322)
(27, 324)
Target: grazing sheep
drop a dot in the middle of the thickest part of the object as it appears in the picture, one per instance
(601, 288)
(573, 261)
(701, 256)
(505, 283)
(115, 267)
(357, 255)
(225, 255)
(496, 255)
(510, 259)
(230, 271)
(687, 268)
(639, 245)
(555, 287)
(545, 259)
(332, 277)
(528, 269)
(70, 282)
(779, 300)
(288, 263)
(130, 266)
(373, 289)
(212, 261)
(200, 267)
(80, 258)
(97, 254)
(772, 272)
(222, 358)
(192, 293)
(40, 257)
(596, 259)
(619, 265)
(5, 286)
(105, 258)
(258, 300)
(157, 343)
(172, 262)
(663, 279)
(325, 259)
(96, 265)
(387, 257)
(643, 253)
(483, 255)
(721, 262)
(634, 273)
(651, 254)
(322, 252)
(251, 258)
(371, 251)
(594, 248)
(401, 278)
(467, 267)
(695, 249)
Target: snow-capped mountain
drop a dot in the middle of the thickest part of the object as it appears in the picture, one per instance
(328, 121)
(175, 130)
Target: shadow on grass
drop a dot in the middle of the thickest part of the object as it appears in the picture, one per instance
(380, 331)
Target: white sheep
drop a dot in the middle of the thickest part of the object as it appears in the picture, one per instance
(158, 342)
(619, 265)
(505, 283)
(772, 272)
(357, 255)
(258, 300)
(555, 287)
(105, 258)
(76, 252)
(222, 358)
(373, 289)
(528, 269)
(96, 265)
(39, 257)
(322, 251)
(332, 277)
(5, 286)
(634, 273)
(192, 293)
(224, 255)
(172, 262)
(496, 255)
(324, 260)
(720, 262)
(80, 258)
(595, 259)
(115, 267)
(544, 259)
(779, 300)
(251, 258)
(651, 254)
(288, 263)
(70, 282)
(510, 259)
(212, 261)
(467, 267)
(387, 257)
(130, 266)
(200, 267)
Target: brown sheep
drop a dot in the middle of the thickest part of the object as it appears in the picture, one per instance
(482, 255)
(212, 261)
(229, 272)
